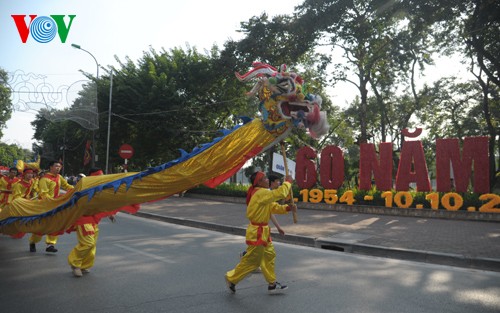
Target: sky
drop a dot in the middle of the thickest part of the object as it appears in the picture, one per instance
(112, 28)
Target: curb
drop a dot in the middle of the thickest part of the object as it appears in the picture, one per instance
(233, 230)
(457, 260)
(430, 257)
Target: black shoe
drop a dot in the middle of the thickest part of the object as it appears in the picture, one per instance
(51, 248)
(32, 247)
(277, 287)
(230, 285)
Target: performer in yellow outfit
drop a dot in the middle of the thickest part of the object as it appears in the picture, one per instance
(49, 187)
(6, 183)
(82, 257)
(260, 250)
(24, 187)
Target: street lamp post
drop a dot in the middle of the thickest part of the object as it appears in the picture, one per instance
(109, 119)
(92, 163)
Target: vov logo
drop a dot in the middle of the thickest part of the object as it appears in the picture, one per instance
(43, 28)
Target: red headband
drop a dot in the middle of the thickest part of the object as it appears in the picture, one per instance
(257, 178)
(27, 171)
(252, 188)
(96, 173)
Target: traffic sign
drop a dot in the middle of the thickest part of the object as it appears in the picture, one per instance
(126, 151)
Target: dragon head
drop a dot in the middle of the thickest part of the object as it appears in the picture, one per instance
(284, 102)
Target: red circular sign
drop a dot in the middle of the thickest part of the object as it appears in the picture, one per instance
(126, 151)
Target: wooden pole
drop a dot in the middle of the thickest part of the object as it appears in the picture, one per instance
(283, 152)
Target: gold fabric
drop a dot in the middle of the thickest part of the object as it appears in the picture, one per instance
(217, 160)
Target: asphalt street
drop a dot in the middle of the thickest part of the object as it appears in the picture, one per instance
(144, 265)
(464, 243)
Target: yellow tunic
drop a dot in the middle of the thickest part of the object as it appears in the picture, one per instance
(262, 205)
(22, 189)
(6, 184)
(50, 184)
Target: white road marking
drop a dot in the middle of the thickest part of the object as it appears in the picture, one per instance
(156, 257)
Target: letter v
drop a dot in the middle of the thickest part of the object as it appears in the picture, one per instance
(61, 27)
(22, 29)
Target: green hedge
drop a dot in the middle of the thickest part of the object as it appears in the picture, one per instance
(238, 190)
(226, 190)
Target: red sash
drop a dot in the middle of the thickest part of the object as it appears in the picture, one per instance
(260, 231)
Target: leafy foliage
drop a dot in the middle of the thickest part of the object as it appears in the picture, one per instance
(166, 101)
(9, 154)
(5, 103)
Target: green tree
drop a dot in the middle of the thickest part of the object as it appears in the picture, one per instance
(460, 25)
(9, 154)
(176, 99)
(165, 101)
(471, 27)
(363, 34)
(5, 102)
(464, 110)
(62, 140)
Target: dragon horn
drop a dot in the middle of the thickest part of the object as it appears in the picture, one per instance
(260, 64)
(259, 70)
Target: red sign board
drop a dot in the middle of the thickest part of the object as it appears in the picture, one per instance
(126, 151)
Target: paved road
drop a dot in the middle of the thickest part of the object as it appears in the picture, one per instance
(471, 244)
(150, 266)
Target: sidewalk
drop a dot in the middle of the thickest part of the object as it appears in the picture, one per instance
(470, 244)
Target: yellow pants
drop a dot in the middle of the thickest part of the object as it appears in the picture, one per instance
(256, 256)
(50, 240)
(83, 254)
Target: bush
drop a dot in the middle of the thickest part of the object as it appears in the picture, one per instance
(225, 190)
(238, 190)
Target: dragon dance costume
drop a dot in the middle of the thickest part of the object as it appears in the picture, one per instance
(83, 254)
(260, 249)
(6, 184)
(82, 257)
(23, 188)
(49, 187)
